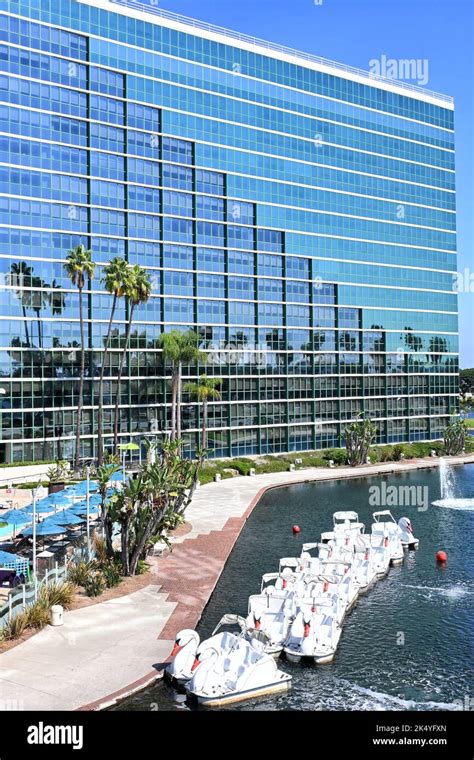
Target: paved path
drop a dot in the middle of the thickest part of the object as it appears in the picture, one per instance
(110, 649)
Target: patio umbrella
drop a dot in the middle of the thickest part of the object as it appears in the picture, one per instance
(41, 506)
(81, 509)
(68, 518)
(81, 488)
(6, 557)
(96, 499)
(45, 528)
(16, 517)
(117, 476)
(56, 499)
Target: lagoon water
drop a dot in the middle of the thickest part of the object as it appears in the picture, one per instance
(409, 642)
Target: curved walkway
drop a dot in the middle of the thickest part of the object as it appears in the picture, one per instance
(111, 649)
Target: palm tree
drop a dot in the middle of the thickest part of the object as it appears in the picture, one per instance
(137, 288)
(20, 277)
(114, 280)
(205, 390)
(178, 348)
(78, 266)
(39, 299)
(57, 299)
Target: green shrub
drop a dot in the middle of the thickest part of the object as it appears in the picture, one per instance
(469, 446)
(111, 572)
(142, 567)
(15, 627)
(100, 549)
(315, 461)
(338, 456)
(386, 454)
(37, 615)
(95, 584)
(381, 454)
(397, 452)
(242, 465)
(206, 477)
(57, 593)
(80, 573)
(271, 464)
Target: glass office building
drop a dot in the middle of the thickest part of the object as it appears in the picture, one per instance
(298, 214)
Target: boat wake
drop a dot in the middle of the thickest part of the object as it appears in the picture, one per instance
(452, 592)
(466, 504)
(369, 699)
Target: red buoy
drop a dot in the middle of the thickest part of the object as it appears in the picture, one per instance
(441, 556)
(296, 529)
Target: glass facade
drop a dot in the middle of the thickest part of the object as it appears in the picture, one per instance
(298, 216)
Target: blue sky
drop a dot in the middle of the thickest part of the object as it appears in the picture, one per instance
(357, 31)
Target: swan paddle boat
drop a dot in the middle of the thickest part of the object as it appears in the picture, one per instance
(244, 672)
(345, 525)
(188, 644)
(272, 615)
(315, 632)
(340, 573)
(385, 523)
(407, 538)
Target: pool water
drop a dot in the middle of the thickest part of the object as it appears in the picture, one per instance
(408, 644)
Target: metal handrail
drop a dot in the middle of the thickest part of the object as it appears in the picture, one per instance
(275, 46)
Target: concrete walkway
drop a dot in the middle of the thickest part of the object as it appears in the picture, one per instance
(108, 650)
(97, 651)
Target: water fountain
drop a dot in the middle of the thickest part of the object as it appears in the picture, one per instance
(448, 488)
(447, 480)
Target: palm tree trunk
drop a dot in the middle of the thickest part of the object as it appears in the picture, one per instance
(40, 334)
(174, 389)
(125, 531)
(204, 424)
(100, 412)
(119, 378)
(80, 393)
(25, 322)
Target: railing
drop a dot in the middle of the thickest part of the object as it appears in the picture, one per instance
(18, 601)
(204, 26)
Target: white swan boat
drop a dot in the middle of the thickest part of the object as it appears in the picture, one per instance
(385, 523)
(407, 538)
(315, 632)
(188, 644)
(345, 525)
(300, 610)
(271, 614)
(339, 573)
(360, 556)
(245, 672)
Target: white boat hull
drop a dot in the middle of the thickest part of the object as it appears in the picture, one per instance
(411, 545)
(282, 685)
(396, 561)
(318, 659)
